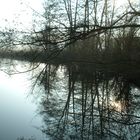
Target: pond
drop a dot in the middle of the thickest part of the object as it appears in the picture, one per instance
(72, 101)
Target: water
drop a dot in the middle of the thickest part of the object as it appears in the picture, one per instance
(69, 101)
(18, 111)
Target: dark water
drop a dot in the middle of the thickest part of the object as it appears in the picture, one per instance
(70, 102)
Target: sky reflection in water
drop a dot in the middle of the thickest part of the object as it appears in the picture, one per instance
(79, 102)
(18, 116)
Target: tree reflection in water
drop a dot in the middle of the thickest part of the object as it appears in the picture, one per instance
(83, 102)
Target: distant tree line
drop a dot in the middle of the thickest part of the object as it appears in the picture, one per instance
(66, 24)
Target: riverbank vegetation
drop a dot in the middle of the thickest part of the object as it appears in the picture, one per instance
(123, 48)
(89, 31)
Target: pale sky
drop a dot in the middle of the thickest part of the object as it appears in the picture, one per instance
(18, 11)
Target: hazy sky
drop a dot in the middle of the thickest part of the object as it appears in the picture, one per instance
(18, 11)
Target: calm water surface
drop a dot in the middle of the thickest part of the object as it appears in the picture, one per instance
(69, 101)
(18, 110)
